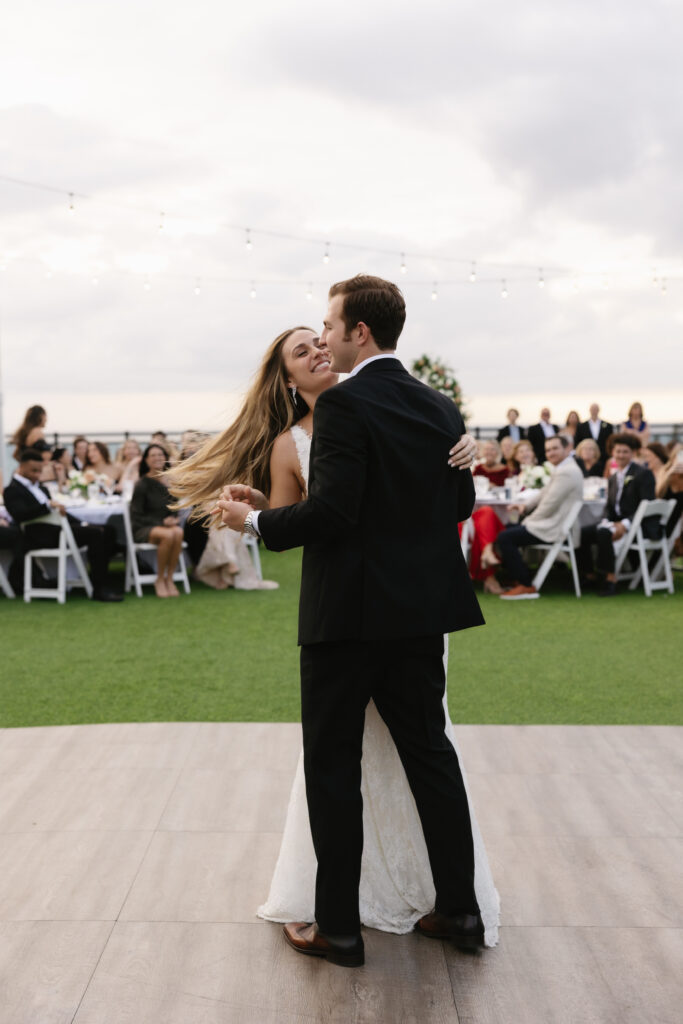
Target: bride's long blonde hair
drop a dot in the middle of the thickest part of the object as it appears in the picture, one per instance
(241, 454)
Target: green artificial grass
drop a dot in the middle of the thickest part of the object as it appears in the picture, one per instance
(232, 656)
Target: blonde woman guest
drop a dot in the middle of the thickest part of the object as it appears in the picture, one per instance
(98, 461)
(127, 465)
(267, 448)
(31, 431)
(635, 424)
(507, 447)
(588, 458)
(153, 519)
(523, 455)
(491, 466)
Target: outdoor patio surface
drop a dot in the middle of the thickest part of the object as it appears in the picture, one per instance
(133, 857)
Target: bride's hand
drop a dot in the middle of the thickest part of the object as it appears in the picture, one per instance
(250, 495)
(462, 456)
(233, 513)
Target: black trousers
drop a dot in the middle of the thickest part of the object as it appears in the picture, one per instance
(406, 680)
(602, 537)
(509, 542)
(11, 539)
(99, 540)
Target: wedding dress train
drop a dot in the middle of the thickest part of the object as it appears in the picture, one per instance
(396, 886)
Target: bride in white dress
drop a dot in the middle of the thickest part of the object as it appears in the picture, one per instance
(268, 448)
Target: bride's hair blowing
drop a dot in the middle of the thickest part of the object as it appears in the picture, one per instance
(241, 454)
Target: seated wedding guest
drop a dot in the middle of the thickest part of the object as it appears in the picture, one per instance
(539, 432)
(523, 455)
(511, 429)
(572, 423)
(655, 456)
(670, 485)
(507, 448)
(80, 454)
(594, 429)
(26, 499)
(98, 461)
(588, 457)
(31, 430)
(635, 424)
(495, 471)
(627, 487)
(12, 540)
(152, 520)
(57, 469)
(159, 437)
(544, 513)
(127, 465)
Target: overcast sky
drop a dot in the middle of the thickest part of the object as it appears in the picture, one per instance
(522, 135)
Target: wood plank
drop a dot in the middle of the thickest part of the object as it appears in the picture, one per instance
(203, 876)
(229, 746)
(538, 749)
(45, 967)
(249, 800)
(648, 749)
(67, 875)
(224, 973)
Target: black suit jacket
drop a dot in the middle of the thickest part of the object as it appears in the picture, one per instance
(537, 437)
(505, 432)
(583, 433)
(382, 557)
(639, 485)
(23, 506)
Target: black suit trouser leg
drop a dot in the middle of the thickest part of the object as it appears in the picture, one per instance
(406, 679)
(100, 542)
(601, 537)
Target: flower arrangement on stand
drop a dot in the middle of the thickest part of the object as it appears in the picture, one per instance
(440, 377)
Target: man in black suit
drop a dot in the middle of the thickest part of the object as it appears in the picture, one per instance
(630, 485)
(511, 429)
(381, 584)
(27, 499)
(540, 432)
(594, 429)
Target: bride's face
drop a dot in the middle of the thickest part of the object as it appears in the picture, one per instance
(308, 368)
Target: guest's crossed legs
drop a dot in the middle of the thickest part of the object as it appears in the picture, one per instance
(406, 680)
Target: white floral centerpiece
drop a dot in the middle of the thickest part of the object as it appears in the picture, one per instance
(77, 484)
(535, 476)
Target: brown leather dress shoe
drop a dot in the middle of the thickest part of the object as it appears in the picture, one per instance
(343, 950)
(464, 930)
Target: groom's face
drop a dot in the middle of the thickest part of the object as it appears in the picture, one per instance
(335, 340)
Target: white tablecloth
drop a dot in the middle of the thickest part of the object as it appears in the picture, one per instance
(590, 513)
(95, 512)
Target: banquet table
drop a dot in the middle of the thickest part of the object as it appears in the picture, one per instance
(591, 511)
(93, 511)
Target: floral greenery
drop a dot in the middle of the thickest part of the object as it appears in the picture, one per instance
(535, 476)
(441, 378)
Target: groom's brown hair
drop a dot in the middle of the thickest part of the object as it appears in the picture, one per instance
(375, 302)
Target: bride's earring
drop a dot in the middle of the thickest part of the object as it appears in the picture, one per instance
(292, 392)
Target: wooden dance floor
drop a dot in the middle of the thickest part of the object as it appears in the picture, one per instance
(132, 858)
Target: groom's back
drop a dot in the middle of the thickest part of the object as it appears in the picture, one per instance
(400, 571)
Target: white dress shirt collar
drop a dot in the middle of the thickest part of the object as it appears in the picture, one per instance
(371, 359)
(35, 489)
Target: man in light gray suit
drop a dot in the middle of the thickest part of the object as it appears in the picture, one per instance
(547, 510)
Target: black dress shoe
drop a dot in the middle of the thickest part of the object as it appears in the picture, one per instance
(609, 590)
(343, 950)
(466, 931)
(106, 595)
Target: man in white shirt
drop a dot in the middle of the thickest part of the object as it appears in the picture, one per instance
(540, 432)
(595, 429)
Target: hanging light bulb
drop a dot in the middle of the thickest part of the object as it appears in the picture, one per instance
(473, 272)
(249, 244)
(72, 208)
(541, 280)
(663, 285)
(252, 291)
(309, 292)
(198, 287)
(504, 289)
(161, 220)
(147, 286)
(435, 293)
(95, 280)
(404, 269)
(326, 254)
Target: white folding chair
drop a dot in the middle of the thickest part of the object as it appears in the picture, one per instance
(466, 538)
(252, 546)
(71, 570)
(134, 576)
(564, 545)
(636, 543)
(659, 567)
(5, 584)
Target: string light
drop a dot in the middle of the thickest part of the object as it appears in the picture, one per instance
(161, 220)
(326, 254)
(252, 292)
(248, 244)
(504, 289)
(541, 281)
(664, 285)
(72, 208)
(404, 269)
(95, 281)
(198, 287)
(473, 272)
(147, 286)
(435, 293)
(309, 292)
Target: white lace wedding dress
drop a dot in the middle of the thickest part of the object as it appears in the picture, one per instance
(396, 886)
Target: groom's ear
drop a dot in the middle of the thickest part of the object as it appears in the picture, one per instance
(364, 333)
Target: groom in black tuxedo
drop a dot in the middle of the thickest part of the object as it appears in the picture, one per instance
(383, 579)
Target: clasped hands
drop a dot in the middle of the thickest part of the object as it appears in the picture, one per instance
(237, 500)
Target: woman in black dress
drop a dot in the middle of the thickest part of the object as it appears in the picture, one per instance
(153, 522)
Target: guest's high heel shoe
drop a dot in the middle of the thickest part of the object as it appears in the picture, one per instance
(489, 558)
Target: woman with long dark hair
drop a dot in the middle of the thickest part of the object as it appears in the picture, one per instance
(31, 430)
(154, 521)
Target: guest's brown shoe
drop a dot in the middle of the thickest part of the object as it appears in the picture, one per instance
(343, 950)
(464, 930)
